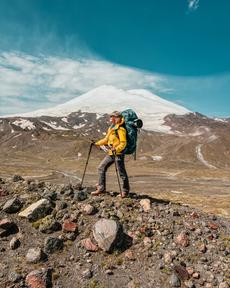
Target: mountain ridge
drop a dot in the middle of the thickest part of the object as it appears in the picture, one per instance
(148, 106)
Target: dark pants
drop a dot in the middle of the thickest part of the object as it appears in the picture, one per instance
(103, 167)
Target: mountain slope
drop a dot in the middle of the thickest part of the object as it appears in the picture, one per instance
(105, 99)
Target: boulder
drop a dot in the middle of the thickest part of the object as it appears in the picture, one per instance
(80, 195)
(34, 255)
(39, 278)
(14, 243)
(47, 224)
(17, 178)
(52, 244)
(88, 209)
(69, 226)
(12, 205)
(8, 227)
(145, 204)
(108, 234)
(36, 210)
(174, 281)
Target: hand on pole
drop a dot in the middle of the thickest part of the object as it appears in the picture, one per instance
(113, 149)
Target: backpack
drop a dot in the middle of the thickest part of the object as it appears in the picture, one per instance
(132, 124)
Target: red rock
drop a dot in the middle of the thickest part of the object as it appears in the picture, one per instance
(69, 226)
(34, 281)
(3, 192)
(194, 215)
(134, 235)
(213, 226)
(89, 245)
(39, 279)
(210, 237)
(181, 272)
(130, 255)
(143, 229)
(182, 239)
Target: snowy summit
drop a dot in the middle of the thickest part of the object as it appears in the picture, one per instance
(105, 99)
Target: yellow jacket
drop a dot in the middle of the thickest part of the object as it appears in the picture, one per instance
(115, 137)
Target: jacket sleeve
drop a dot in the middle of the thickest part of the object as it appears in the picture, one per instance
(123, 140)
(103, 141)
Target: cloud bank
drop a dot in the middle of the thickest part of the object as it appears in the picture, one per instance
(193, 5)
(28, 83)
(31, 82)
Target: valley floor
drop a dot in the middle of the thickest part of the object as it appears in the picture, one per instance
(201, 187)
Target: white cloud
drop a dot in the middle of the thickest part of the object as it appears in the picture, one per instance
(40, 81)
(193, 4)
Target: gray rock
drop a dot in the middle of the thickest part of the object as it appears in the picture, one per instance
(37, 210)
(80, 195)
(88, 209)
(14, 243)
(108, 234)
(61, 205)
(14, 277)
(12, 205)
(174, 280)
(109, 272)
(52, 244)
(9, 227)
(120, 214)
(87, 274)
(49, 225)
(50, 195)
(34, 255)
(17, 178)
(67, 190)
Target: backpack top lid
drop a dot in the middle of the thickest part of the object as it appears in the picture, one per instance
(129, 115)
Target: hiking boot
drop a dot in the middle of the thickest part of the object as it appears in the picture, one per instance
(97, 192)
(123, 194)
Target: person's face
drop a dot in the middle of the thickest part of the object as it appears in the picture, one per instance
(114, 120)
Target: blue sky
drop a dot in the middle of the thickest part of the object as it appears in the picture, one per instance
(53, 50)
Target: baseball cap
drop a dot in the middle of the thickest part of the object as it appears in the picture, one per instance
(116, 114)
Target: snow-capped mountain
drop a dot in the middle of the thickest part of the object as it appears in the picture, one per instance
(190, 137)
(102, 100)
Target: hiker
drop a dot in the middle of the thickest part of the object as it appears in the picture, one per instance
(116, 141)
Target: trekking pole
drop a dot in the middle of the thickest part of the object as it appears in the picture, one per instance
(118, 179)
(86, 164)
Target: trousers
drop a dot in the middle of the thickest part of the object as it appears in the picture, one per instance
(103, 167)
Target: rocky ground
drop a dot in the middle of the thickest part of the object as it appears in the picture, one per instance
(55, 235)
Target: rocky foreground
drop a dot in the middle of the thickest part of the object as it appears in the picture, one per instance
(60, 236)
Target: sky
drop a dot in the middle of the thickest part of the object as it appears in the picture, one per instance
(52, 51)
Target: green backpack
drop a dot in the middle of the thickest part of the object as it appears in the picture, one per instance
(132, 124)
